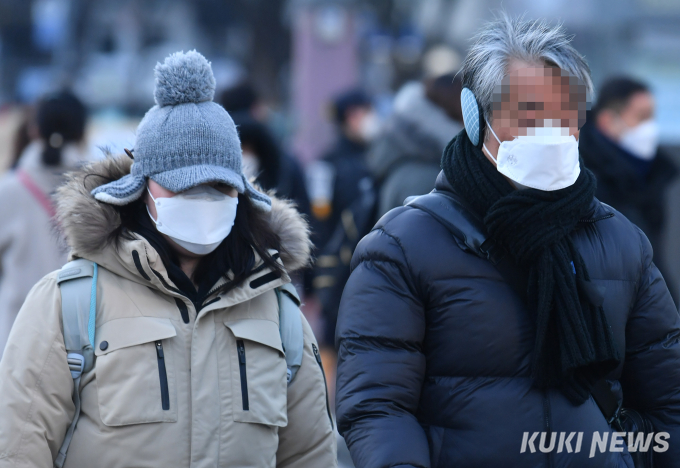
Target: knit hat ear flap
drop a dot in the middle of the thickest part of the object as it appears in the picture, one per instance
(122, 191)
(261, 201)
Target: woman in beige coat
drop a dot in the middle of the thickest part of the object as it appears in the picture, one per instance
(30, 245)
(189, 366)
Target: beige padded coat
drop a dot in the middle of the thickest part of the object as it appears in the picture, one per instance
(212, 409)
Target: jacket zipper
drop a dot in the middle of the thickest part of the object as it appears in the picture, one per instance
(595, 220)
(165, 394)
(240, 347)
(318, 360)
(227, 283)
(548, 430)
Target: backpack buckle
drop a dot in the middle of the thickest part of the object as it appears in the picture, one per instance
(492, 251)
(76, 364)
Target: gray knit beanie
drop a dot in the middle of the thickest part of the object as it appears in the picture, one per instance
(184, 140)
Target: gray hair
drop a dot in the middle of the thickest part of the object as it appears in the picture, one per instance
(506, 38)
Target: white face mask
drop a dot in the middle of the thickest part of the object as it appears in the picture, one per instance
(198, 219)
(642, 140)
(370, 127)
(547, 159)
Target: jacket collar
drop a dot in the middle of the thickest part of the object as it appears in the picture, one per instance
(139, 262)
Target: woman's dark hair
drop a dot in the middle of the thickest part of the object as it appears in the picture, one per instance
(259, 138)
(61, 119)
(250, 229)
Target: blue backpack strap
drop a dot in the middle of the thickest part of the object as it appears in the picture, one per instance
(469, 233)
(290, 327)
(77, 281)
(466, 228)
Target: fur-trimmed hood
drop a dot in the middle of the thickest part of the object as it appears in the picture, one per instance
(89, 224)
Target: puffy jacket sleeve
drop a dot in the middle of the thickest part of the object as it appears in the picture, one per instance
(35, 383)
(308, 441)
(381, 366)
(651, 374)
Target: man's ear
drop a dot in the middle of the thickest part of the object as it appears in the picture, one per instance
(605, 121)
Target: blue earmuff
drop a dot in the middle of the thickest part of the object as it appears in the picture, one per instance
(472, 117)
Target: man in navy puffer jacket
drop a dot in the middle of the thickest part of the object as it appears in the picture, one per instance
(440, 358)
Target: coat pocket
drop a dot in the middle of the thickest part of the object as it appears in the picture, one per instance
(258, 373)
(134, 373)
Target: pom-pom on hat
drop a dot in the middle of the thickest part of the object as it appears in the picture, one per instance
(184, 140)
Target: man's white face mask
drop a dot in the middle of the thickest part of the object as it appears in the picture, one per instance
(642, 140)
(198, 219)
(547, 159)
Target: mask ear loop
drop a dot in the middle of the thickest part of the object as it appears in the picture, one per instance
(497, 139)
(147, 189)
(150, 216)
(147, 206)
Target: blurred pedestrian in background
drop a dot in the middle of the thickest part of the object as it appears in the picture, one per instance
(21, 138)
(189, 262)
(242, 98)
(509, 303)
(13, 134)
(264, 158)
(620, 145)
(268, 165)
(358, 126)
(346, 214)
(406, 158)
(30, 242)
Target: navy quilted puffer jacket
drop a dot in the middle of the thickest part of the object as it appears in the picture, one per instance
(435, 351)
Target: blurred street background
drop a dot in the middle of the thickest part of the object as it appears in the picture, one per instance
(299, 53)
(315, 84)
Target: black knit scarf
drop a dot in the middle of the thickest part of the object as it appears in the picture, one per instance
(574, 346)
